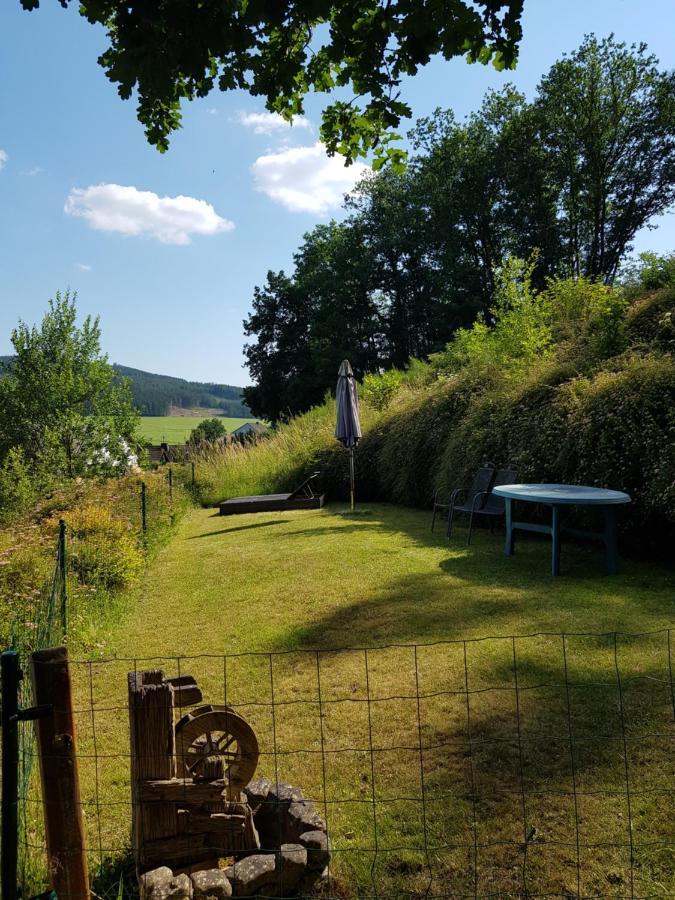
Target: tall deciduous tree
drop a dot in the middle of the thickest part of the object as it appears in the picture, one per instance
(607, 124)
(170, 51)
(572, 176)
(61, 401)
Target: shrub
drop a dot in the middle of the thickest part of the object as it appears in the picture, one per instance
(103, 549)
(208, 430)
(650, 322)
(651, 272)
(517, 334)
(379, 390)
(589, 314)
(18, 484)
(25, 566)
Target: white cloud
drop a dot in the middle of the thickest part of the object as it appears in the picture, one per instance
(125, 209)
(83, 267)
(3, 158)
(36, 170)
(306, 179)
(271, 123)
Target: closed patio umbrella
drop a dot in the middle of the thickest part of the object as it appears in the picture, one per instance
(347, 425)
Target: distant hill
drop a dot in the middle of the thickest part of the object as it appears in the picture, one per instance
(154, 395)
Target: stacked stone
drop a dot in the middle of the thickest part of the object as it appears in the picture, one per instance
(293, 856)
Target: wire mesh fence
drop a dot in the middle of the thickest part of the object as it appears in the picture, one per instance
(529, 766)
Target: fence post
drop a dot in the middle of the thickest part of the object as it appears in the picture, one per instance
(9, 846)
(144, 511)
(63, 576)
(64, 824)
(170, 485)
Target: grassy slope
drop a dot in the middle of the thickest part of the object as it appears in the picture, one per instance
(293, 581)
(176, 429)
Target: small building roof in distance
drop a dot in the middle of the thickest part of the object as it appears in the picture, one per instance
(250, 428)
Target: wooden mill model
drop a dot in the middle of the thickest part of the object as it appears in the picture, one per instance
(187, 775)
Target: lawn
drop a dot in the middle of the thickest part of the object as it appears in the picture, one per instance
(176, 429)
(504, 794)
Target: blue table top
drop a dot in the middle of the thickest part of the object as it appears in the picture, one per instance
(578, 494)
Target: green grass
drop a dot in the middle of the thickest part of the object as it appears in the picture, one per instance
(176, 429)
(304, 581)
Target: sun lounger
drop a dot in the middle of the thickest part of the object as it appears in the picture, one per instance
(303, 497)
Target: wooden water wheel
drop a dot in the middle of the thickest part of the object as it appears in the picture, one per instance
(215, 741)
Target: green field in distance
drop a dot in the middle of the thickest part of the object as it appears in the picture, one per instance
(176, 429)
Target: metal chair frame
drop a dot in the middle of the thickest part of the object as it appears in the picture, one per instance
(481, 500)
(483, 478)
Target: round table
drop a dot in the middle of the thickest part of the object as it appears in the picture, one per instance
(556, 496)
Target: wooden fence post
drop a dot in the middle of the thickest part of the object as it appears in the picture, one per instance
(151, 740)
(64, 825)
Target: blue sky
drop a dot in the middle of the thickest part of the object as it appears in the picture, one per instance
(173, 279)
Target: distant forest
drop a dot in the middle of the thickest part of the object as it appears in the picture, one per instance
(154, 394)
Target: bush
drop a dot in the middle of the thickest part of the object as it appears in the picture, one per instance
(18, 484)
(208, 430)
(516, 334)
(651, 272)
(590, 315)
(379, 390)
(650, 322)
(103, 549)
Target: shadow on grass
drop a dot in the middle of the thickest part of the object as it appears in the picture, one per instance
(265, 524)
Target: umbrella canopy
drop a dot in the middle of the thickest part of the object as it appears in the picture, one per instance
(347, 424)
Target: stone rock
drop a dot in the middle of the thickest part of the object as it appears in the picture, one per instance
(161, 884)
(318, 855)
(257, 791)
(211, 884)
(291, 863)
(252, 875)
(301, 817)
(285, 793)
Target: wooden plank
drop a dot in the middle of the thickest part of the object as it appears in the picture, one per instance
(66, 848)
(218, 823)
(181, 790)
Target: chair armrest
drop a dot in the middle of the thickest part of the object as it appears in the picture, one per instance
(479, 496)
(456, 493)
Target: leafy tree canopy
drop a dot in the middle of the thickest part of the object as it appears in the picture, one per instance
(207, 431)
(61, 401)
(564, 181)
(170, 51)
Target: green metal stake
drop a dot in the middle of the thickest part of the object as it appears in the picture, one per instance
(193, 475)
(63, 576)
(144, 515)
(170, 484)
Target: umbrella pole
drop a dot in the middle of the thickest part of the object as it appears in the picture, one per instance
(351, 475)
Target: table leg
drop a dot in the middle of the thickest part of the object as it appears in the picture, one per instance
(555, 540)
(508, 545)
(611, 541)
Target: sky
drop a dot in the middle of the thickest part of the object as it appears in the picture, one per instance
(167, 248)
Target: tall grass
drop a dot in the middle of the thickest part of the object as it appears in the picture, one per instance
(275, 463)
